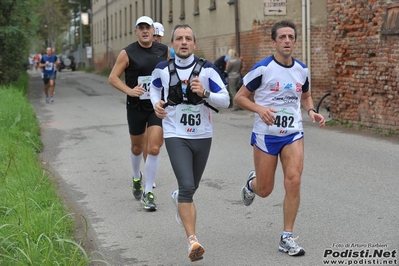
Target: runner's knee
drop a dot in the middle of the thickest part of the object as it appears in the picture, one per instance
(186, 195)
(154, 150)
(264, 192)
(136, 149)
(292, 185)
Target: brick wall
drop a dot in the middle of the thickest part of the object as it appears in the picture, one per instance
(364, 65)
(101, 62)
(349, 56)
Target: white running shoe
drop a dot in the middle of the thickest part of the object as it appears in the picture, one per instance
(195, 249)
(137, 188)
(288, 245)
(247, 197)
(175, 194)
(148, 201)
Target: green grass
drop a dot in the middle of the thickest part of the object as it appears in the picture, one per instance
(361, 127)
(392, 132)
(35, 227)
(89, 69)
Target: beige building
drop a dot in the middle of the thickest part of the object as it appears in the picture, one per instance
(219, 25)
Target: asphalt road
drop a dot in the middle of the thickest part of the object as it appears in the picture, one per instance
(349, 205)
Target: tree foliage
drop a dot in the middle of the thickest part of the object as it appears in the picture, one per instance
(24, 21)
(54, 17)
(16, 29)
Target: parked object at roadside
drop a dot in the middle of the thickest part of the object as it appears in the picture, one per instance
(66, 62)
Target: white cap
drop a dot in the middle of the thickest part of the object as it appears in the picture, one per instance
(144, 19)
(159, 29)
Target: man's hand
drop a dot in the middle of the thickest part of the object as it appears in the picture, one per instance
(159, 110)
(136, 91)
(267, 115)
(196, 87)
(317, 118)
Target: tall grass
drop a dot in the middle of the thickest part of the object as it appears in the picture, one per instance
(35, 227)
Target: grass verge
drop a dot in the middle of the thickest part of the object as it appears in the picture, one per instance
(35, 227)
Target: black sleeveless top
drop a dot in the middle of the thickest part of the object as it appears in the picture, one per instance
(142, 62)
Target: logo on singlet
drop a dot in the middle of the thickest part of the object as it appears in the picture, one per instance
(284, 111)
(189, 108)
(275, 87)
(288, 86)
(298, 87)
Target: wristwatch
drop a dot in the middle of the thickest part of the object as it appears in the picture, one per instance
(207, 93)
(312, 109)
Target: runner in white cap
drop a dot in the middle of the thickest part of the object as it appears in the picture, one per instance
(159, 33)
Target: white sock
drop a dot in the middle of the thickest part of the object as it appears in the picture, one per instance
(151, 169)
(250, 185)
(136, 161)
(286, 234)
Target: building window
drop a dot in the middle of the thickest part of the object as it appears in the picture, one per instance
(104, 30)
(130, 19)
(182, 10)
(152, 14)
(136, 14)
(125, 21)
(120, 23)
(391, 20)
(212, 5)
(116, 25)
(112, 27)
(230, 2)
(170, 19)
(196, 8)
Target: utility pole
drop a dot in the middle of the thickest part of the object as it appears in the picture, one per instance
(91, 37)
(106, 29)
(80, 31)
(237, 27)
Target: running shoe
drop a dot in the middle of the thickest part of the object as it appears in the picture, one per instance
(195, 250)
(148, 200)
(137, 188)
(175, 194)
(47, 99)
(288, 245)
(247, 197)
(51, 99)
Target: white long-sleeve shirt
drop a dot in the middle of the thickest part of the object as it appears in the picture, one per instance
(189, 121)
